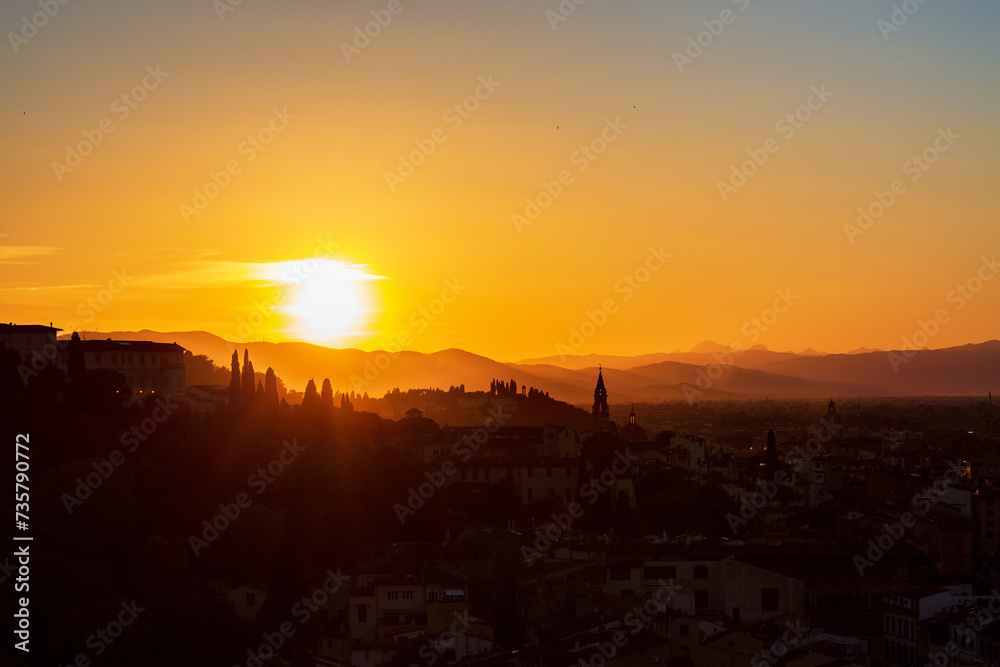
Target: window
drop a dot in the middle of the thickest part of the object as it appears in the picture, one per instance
(628, 592)
(621, 573)
(551, 493)
(531, 495)
(548, 472)
(407, 595)
(432, 596)
(700, 572)
(659, 572)
(701, 599)
(769, 599)
(392, 595)
(362, 613)
(475, 474)
(569, 495)
(531, 472)
(685, 630)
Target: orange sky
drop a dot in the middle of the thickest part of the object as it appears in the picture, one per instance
(531, 92)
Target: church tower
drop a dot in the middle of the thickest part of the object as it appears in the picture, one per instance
(601, 411)
(832, 420)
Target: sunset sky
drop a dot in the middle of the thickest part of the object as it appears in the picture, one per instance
(125, 227)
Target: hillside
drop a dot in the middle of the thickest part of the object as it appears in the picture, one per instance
(964, 370)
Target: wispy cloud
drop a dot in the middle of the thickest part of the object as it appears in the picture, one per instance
(22, 254)
(195, 274)
(44, 287)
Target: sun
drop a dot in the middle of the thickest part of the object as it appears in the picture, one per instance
(326, 302)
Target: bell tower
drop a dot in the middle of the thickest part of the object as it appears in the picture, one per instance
(601, 411)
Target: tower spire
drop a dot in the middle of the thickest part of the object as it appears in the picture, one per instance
(601, 412)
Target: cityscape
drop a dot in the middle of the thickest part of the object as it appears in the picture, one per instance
(564, 333)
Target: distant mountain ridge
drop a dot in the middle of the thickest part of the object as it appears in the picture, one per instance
(715, 374)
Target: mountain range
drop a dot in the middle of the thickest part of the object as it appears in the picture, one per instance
(708, 372)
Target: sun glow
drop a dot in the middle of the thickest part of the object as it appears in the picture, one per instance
(326, 302)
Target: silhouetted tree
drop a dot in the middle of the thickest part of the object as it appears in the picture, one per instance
(270, 390)
(310, 400)
(199, 369)
(234, 382)
(249, 388)
(326, 396)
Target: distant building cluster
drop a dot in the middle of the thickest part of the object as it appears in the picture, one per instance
(148, 367)
(833, 532)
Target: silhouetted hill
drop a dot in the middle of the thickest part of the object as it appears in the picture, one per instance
(752, 358)
(964, 370)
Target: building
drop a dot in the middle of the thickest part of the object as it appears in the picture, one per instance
(393, 606)
(688, 452)
(632, 432)
(248, 600)
(30, 340)
(986, 504)
(721, 587)
(148, 367)
(902, 613)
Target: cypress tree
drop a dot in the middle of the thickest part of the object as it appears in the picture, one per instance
(270, 390)
(234, 382)
(249, 388)
(326, 396)
(310, 401)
